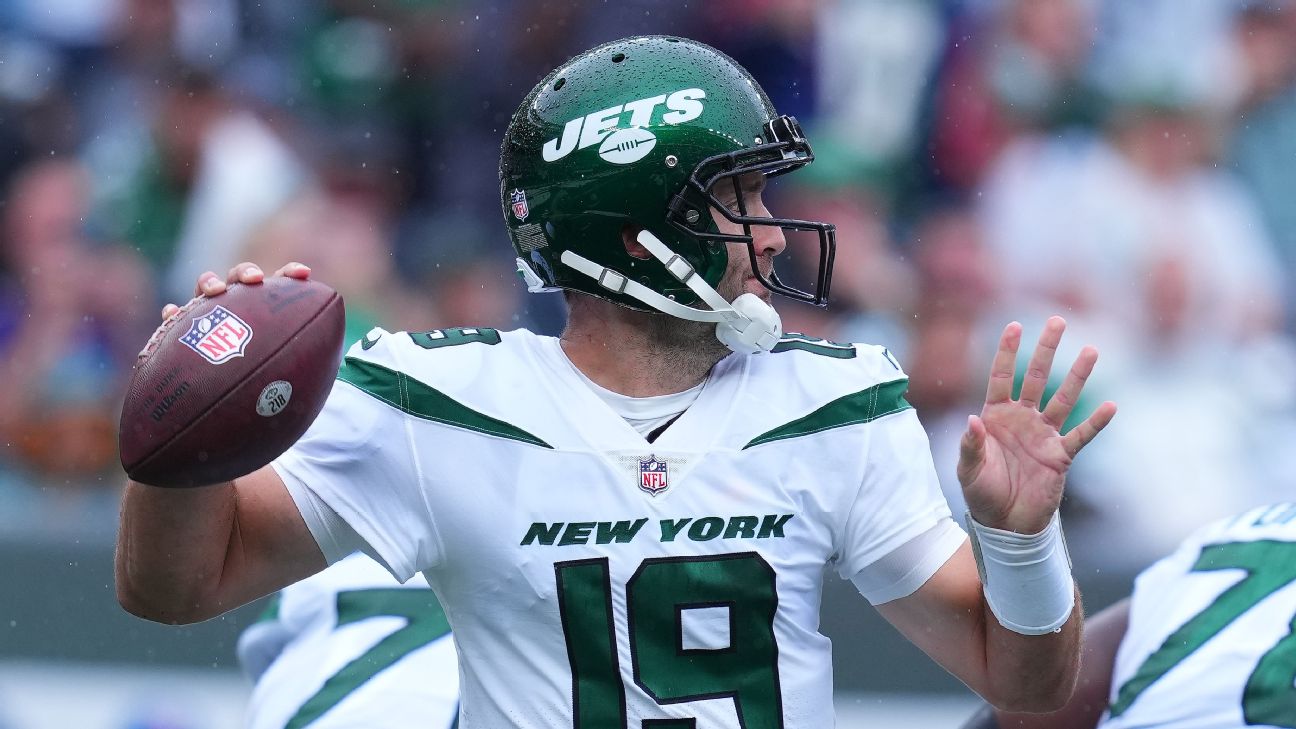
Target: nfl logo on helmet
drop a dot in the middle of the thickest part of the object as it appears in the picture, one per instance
(219, 336)
(652, 475)
(520, 209)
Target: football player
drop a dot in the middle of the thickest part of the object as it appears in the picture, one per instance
(628, 525)
(350, 647)
(1207, 639)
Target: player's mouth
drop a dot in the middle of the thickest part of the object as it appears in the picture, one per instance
(753, 285)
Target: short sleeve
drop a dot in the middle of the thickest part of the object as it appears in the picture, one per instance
(898, 510)
(357, 458)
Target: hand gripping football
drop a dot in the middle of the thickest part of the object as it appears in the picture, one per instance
(230, 382)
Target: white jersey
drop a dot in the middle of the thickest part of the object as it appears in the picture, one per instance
(593, 578)
(1211, 642)
(351, 647)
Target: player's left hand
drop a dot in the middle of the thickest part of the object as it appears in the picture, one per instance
(209, 284)
(1013, 458)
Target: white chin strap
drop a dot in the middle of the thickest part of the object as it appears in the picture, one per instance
(748, 325)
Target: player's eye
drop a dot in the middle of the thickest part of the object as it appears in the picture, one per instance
(726, 195)
(748, 187)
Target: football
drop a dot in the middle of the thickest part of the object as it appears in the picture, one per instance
(230, 382)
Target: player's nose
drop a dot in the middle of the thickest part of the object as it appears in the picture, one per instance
(768, 240)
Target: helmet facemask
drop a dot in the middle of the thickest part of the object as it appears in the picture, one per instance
(787, 150)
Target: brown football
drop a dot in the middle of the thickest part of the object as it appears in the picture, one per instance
(231, 382)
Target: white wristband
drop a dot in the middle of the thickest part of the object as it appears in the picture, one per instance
(1026, 577)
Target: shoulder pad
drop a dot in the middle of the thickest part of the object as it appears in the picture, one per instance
(808, 385)
(438, 356)
(473, 378)
(835, 365)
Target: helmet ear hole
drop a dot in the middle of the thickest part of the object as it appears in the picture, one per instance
(630, 239)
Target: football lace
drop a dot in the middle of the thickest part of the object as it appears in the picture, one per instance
(152, 344)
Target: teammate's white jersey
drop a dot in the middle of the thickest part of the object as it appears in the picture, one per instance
(1211, 642)
(597, 580)
(351, 647)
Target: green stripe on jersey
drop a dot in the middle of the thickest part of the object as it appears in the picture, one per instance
(271, 611)
(422, 401)
(858, 407)
(792, 341)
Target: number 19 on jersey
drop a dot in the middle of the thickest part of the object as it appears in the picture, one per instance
(667, 663)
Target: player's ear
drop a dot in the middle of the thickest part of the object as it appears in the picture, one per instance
(630, 239)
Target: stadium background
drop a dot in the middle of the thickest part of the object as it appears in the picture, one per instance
(1127, 163)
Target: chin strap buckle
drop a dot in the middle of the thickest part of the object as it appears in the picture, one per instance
(613, 281)
(680, 269)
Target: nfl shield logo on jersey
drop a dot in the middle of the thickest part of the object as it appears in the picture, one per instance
(652, 475)
(520, 209)
(219, 336)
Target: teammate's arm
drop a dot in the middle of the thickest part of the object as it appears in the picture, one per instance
(185, 555)
(1102, 636)
(1015, 639)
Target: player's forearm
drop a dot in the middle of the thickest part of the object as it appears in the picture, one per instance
(1031, 673)
(1102, 638)
(171, 551)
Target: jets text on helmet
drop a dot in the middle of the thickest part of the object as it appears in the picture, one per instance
(586, 131)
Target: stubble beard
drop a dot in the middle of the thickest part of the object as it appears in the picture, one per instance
(692, 342)
(696, 341)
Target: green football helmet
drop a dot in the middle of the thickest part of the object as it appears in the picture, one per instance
(643, 132)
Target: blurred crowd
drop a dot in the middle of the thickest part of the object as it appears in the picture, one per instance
(1126, 163)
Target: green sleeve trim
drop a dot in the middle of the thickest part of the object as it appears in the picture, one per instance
(858, 407)
(792, 341)
(412, 397)
(271, 611)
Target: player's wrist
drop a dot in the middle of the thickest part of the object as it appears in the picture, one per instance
(1023, 518)
(1026, 577)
